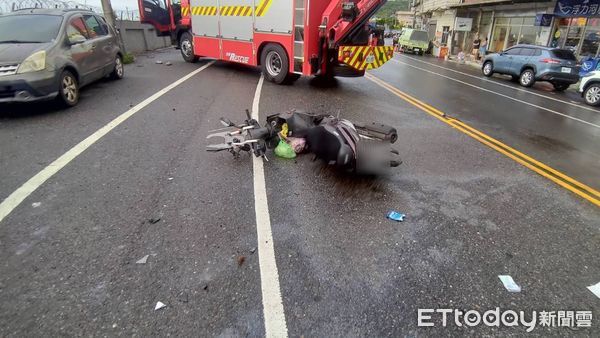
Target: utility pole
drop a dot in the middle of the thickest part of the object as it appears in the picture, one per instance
(109, 15)
(414, 6)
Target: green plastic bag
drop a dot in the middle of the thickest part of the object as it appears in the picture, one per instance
(284, 150)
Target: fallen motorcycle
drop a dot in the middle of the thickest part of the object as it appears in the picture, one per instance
(362, 148)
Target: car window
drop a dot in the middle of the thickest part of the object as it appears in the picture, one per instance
(513, 51)
(419, 36)
(29, 28)
(564, 54)
(76, 28)
(527, 51)
(537, 52)
(94, 27)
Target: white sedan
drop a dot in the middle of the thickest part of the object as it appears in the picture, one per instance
(589, 87)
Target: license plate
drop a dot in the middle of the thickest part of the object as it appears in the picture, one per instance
(565, 69)
(417, 49)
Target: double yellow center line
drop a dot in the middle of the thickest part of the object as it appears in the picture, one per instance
(554, 175)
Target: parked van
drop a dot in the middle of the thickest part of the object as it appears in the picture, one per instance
(413, 40)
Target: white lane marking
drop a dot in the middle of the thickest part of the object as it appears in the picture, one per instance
(275, 325)
(570, 102)
(506, 96)
(14, 199)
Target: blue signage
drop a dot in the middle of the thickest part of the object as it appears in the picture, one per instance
(577, 8)
(543, 20)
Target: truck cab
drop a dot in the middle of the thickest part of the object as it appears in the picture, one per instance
(286, 38)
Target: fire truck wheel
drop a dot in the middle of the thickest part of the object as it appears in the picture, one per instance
(275, 63)
(186, 47)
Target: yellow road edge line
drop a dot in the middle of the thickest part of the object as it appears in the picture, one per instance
(456, 124)
(509, 148)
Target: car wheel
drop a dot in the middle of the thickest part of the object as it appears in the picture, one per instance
(118, 70)
(527, 78)
(488, 69)
(275, 63)
(186, 46)
(591, 95)
(560, 86)
(68, 90)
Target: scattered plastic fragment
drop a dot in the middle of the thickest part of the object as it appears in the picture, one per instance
(158, 62)
(396, 216)
(241, 260)
(142, 260)
(253, 250)
(170, 178)
(168, 63)
(154, 220)
(159, 305)
(36, 204)
(509, 283)
(205, 287)
(595, 289)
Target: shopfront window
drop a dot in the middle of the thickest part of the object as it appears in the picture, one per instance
(512, 31)
(582, 35)
(591, 38)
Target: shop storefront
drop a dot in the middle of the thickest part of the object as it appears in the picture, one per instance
(505, 25)
(577, 26)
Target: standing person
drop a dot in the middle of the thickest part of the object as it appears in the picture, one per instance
(476, 44)
(483, 48)
(395, 42)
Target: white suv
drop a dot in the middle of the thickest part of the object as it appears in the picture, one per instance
(589, 87)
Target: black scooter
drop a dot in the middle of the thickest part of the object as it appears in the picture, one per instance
(361, 148)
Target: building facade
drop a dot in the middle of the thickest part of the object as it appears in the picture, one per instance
(406, 18)
(573, 24)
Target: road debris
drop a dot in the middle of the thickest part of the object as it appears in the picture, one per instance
(158, 62)
(509, 283)
(253, 250)
(170, 178)
(142, 260)
(154, 220)
(168, 63)
(36, 204)
(396, 216)
(159, 305)
(241, 260)
(595, 289)
(205, 287)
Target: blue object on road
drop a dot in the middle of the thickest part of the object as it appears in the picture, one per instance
(396, 216)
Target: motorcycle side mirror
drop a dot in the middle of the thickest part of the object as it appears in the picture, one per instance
(226, 122)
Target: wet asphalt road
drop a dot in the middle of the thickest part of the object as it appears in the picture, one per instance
(344, 270)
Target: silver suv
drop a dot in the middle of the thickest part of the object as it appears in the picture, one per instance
(51, 53)
(527, 64)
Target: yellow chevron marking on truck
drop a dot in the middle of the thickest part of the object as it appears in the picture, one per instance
(260, 10)
(365, 57)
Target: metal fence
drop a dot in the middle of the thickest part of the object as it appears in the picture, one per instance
(7, 6)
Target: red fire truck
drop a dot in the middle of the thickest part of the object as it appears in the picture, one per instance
(286, 38)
